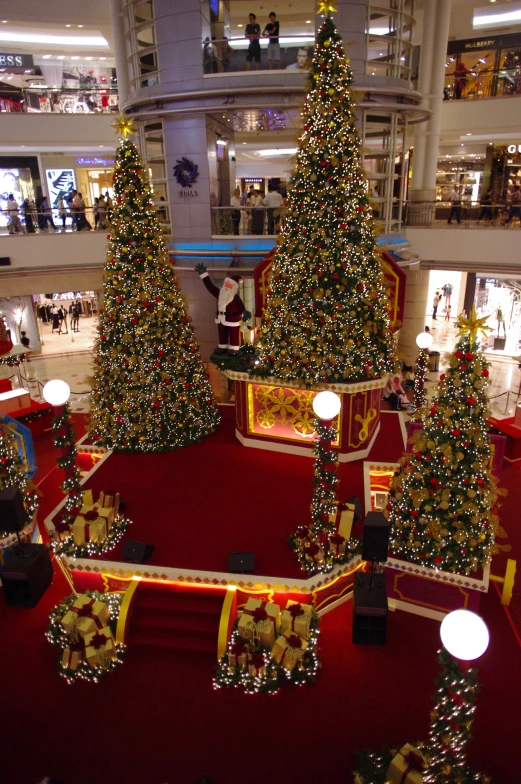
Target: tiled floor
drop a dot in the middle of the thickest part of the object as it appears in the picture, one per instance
(67, 342)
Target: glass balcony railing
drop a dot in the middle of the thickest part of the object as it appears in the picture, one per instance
(291, 53)
(32, 221)
(59, 100)
(468, 214)
(475, 85)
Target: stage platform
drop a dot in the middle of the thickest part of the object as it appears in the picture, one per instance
(197, 504)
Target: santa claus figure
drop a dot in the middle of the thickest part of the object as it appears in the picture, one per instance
(230, 311)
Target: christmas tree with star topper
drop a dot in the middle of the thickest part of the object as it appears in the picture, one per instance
(151, 392)
(443, 500)
(327, 318)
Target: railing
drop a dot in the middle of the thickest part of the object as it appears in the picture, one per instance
(41, 100)
(482, 84)
(34, 222)
(468, 213)
(292, 53)
(247, 220)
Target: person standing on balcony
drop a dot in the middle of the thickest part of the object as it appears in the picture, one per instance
(460, 79)
(253, 33)
(12, 211)
(515, 205)
(272, 201)
(28, 209)
(486, 207)
(272, 31)
(235, 201)
(62, 210)
(455, 210)
(46, 211)
(257, 223)
(102, 212)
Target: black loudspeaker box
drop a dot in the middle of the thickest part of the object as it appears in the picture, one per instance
(137, 552)
(241, 562)
(13, 516)
(27, 575)
(358, 507)
(370, 609)
(375, 544)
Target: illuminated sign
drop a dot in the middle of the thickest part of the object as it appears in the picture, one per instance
(253, 179)
(17, 62)
(60, 182)
(514, 148)
(95, 161)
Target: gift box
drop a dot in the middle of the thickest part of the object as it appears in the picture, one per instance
(84, 530)
(238, 654)
(85, 616)
(260, 622)
(97, 511)
(256, 664)
(302, 535)
(337, 544)
(296, 618)
(314, 553)
(100, 648)
(73, 656)
(88, 498)
(343, 520)
(289, 648)
(109, 499)
(407, 767)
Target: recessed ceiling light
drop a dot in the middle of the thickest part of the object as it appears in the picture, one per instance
(75, 58)
(240, 25)
(46, 56)
(22, 145)
(80, 25)
(88, 58)
(103, 58)
(4, 21)
(101, 145)
(61, 57)
(308, 21)
(245, 142)
(468, 134)
(68, 25)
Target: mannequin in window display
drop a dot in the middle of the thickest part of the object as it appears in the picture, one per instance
(447, 293)
(500, 321)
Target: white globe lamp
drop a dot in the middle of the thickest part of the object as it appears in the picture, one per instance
(327, 405)
(424, 340)
(56, 392)
(464, 634)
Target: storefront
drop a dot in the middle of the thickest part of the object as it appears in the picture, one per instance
(90, 175)
(20, 176)
(450, 287)
(500, 300)
(483, 67)
(467, 175)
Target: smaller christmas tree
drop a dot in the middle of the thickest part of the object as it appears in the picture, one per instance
(420, 377)
(64, 440)
(13, 472)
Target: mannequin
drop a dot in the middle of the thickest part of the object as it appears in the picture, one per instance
(500, 321)
(447, 292)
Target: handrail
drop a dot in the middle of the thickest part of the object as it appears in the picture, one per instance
(479, 84)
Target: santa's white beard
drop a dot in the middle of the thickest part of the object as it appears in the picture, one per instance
(226, 295)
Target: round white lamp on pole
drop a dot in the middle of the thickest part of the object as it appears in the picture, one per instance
(424, 340)
(327, 405)
(56, 392)
(464, 634)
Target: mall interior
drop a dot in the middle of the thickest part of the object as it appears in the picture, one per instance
(437, 88)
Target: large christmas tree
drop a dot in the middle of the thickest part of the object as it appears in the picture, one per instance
(326, 318)
(443, 501)
(151, 391)
(13, 472)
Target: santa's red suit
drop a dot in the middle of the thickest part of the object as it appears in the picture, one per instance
(230, 309)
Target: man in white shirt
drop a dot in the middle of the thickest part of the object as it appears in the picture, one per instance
(235, 201)
(12, 211)
(272, 201)
(455, 210)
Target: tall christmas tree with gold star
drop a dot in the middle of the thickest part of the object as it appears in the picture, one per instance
(443, 501)
(151, 392)
(326, 318)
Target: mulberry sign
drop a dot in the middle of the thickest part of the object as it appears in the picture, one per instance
(186, 173)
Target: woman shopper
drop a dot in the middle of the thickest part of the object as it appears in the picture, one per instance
(62, 210)
(62, 315)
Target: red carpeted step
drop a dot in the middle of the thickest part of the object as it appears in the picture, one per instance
(175, 619)
(183, 601)
(180, 639)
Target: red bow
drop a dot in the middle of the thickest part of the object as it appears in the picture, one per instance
(259, 614)
(295, 610)
(301, 532)
(294, 641)
(92, 514)
(312, 549)
(85, 610)
(337, 539)
(76, 646)
(238, 648)
(414, 762)
(257, 660)
(98, 641)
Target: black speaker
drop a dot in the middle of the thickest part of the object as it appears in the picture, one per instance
(370, 609)
(375, 544)
(137, 552)
(13, 516)
(241, 562)
(26, 576)
(354, 501)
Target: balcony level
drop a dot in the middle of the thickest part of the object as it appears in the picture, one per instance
(54, 132)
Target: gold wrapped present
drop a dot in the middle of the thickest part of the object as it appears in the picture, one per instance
(289, 649)
(407, 767)
(85, 616)
(97, 511)
(73, 656)
(256, 664)
(337, 544)
(314, 552)
(109, 499)
(343, 520)
(84, 530)
(88, 498)
(260, 622)
(100, 648)
(297, 618)
(238, 655)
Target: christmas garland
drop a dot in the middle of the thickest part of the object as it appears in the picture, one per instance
(33, 415)
(11, 361)
(114, 536)
(242, 362)
(372, 768)
(59, 639)
(304, 552)
(270, 676)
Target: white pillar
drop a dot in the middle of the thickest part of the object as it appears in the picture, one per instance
(120, 50)
(424, 87)
(439, 58)
(416, 293)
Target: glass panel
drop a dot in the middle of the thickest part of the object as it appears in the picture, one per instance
(143, 11)
(154, 147)
(146, 37)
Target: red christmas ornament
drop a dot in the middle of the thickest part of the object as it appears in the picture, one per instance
(469, 355)
(470, 401)
(484, 373)
(157, 404)
(442, 377)
(414, 513)
(459, 354)
(456, 432)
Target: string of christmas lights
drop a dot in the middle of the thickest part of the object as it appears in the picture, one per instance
(327, 314)
(13, 474)
(64, 439)
(150, 391)
(115, 534)
(420, 378)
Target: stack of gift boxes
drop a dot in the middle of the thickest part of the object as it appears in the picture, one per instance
(94, 520)
(342, 519)
(90, 638)
(263, 627)
(407, 766)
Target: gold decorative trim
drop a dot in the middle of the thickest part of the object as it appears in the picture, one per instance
(222, 637)
(426, 604)
(121, 628)
(348, 388)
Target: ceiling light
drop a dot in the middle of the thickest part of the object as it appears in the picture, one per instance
(60, 40)
(468, 134)
(46, 56)
(285, 151)
(61, 57)
(4, 21)
(75, 58)
(88, 58)
(80, 25)
(308, 21)
(68, 25)
(102, 58)
(496, 20)
(245, 142)
(240, 25)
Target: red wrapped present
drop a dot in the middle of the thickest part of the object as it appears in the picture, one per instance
(85, 616)
(289, 649)
(73, 656)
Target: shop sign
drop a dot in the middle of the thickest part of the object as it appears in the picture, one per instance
(95, 161)
(473, 44)
(16, 62)
(186, 173)
(253, 179)
(513, 149)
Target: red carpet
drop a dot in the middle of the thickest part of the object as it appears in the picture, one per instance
(158, 721)
(198, 504)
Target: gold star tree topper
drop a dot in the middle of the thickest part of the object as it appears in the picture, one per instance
(326, 8)
(473, 325)
(124, 125)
